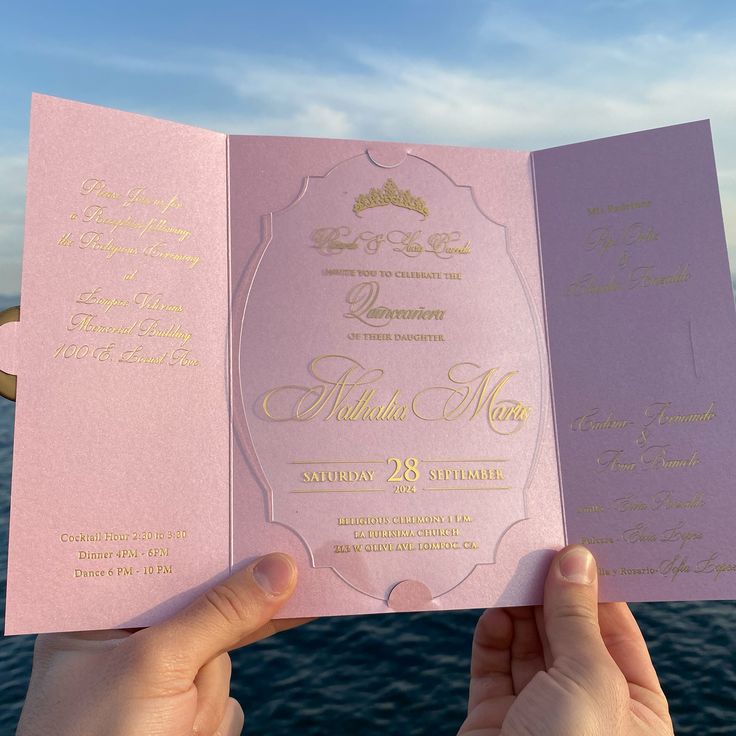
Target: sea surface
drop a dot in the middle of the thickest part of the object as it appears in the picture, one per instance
(406, 674)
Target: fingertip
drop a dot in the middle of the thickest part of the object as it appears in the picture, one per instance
(575, 564)
(275, 574)
(493, 624)
(233, 720)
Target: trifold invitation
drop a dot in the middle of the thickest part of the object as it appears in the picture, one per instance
(417, 369)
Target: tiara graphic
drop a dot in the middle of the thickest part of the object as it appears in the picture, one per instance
(390, 194)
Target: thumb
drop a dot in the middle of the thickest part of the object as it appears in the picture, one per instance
(218, 619)
(571, 607)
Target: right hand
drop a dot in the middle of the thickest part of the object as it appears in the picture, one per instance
(570, 668)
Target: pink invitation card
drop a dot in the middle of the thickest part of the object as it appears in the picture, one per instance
(417, 369)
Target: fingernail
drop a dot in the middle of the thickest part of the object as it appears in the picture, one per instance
(578, 566)
(273, 574)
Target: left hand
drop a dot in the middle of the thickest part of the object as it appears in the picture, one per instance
(172, 679)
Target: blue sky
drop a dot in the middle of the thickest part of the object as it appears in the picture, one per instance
(520, 75)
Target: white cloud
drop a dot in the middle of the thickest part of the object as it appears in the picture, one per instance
(589, 91)
(563, 89)
(507, 24)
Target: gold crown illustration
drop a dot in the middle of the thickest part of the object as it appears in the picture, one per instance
(390, 194)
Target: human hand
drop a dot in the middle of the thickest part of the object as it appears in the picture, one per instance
(172, 679)
(573, 667)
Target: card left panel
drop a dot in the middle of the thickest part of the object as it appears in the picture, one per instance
(120, 508)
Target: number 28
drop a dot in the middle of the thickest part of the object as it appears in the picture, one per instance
(410, 471)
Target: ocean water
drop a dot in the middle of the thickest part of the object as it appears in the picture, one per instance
(407, 674)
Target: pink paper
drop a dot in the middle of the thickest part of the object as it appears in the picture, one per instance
(128, 461)
(232, 345)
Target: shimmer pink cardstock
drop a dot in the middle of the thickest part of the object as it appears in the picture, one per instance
(231, 345)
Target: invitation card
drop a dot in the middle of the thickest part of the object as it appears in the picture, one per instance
(417, 369)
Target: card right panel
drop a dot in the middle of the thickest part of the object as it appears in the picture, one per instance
(641, 329)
